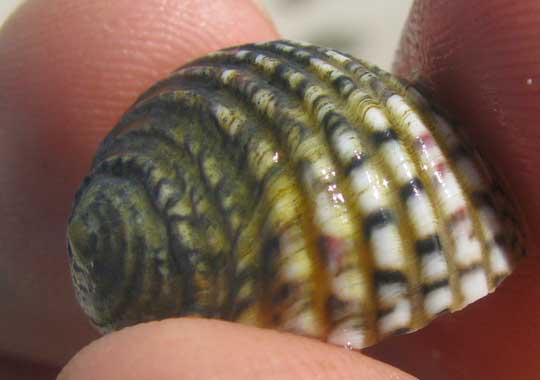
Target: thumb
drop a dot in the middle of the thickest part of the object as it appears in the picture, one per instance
(209, 349)
(480, 60)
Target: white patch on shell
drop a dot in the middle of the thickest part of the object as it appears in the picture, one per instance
(498, 260)
(405, 172)
(242, 54)
(376, 119)
(302, 43)
(348, 286)
(421, 214)
(284, 48)
(347, 144)
(267, 63)
(371, 200)
(452, 198)
(434, 266)
(295, 79)
(395, 156)
(326, 68)
(468, 250)
(368, 188)
(388, 294)
(228, 75)
(398, 107)
(438, 300)
(474, 285)
(331, 221)
(398, 318)
(337, 56)
(387, 249)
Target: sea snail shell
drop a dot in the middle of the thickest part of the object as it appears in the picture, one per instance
(290, 186)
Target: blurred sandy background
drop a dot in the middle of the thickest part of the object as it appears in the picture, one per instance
(6, 7)
(365, 28)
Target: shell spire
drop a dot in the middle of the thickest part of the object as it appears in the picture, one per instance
(288, 186)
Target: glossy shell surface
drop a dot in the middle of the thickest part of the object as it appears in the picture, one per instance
(288, 186)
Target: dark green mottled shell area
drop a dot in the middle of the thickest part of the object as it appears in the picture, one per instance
(290, 186)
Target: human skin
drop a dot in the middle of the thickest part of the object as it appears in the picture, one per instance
(69, 69)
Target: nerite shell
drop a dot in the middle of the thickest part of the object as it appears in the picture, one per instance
(288, 186)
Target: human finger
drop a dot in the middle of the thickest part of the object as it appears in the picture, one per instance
(203, 349)
(69, 70)
(480, 60)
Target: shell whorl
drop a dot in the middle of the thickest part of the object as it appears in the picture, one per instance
(289, 186)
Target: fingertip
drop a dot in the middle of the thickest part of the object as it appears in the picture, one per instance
(480, 59)
(203, 349)
(69, 70)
